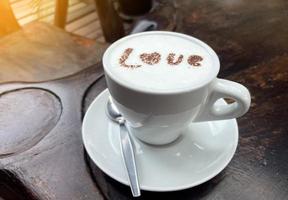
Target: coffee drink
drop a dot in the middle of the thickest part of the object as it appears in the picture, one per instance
(163, 82)
(161, 62)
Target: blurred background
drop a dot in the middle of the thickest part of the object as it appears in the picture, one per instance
(47, 39)
(81, 19)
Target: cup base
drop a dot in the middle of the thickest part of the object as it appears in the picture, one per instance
(166, 138)
(160, 143)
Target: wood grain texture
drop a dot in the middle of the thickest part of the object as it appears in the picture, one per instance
(42, 52)
(30, 118)
(78, 13)
(242, 33)
(55, 167)
(251, 41)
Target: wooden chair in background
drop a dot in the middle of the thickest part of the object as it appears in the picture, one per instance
(9, 22)
(111, 23)
(39, 51)
(61, 13)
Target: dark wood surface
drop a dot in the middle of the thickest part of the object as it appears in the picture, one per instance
(251, 39)
(50, 163)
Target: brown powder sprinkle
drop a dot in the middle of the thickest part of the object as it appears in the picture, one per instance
(150, 58)
(124, 57)
(194, 60)
(170, 59)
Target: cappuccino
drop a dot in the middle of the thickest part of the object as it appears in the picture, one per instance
(161, 62)
(162, 81)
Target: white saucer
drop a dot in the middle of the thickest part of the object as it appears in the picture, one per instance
(201, 153)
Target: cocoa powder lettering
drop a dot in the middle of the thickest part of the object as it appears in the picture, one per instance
(194, 60)
(124, 57)
(150, 58)
(171, 58)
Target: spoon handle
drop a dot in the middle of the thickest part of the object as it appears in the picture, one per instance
(129, 159)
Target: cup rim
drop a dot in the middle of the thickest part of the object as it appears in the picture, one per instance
(210, 51)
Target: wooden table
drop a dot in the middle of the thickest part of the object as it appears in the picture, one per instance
(42, 155)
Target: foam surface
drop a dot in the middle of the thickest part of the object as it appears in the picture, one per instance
(161, 76)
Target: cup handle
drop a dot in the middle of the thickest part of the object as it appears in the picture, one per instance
(221, 88)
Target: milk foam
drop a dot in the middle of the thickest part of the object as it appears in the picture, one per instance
(161, 76)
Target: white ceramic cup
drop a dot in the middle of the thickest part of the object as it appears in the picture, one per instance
(159, 117)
